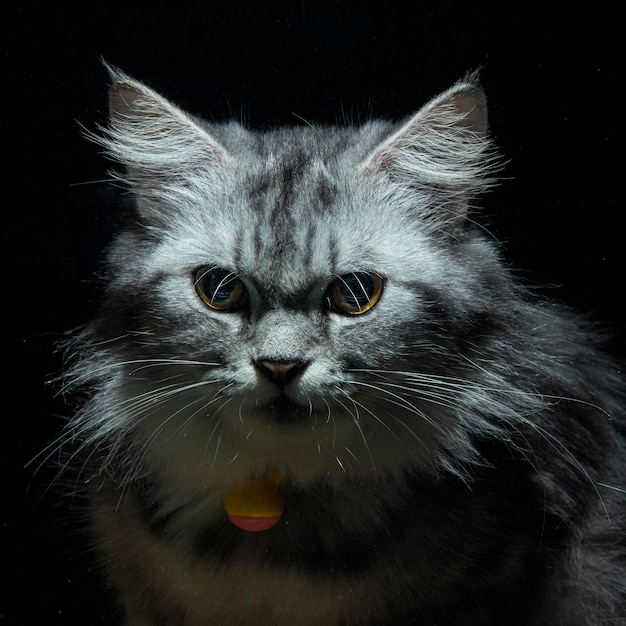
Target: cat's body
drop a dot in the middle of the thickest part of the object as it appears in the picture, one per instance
(314, 302)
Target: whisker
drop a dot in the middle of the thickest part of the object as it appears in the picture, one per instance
(94, 373)
(340, 465)
(355, 420)
(401, 402)
(217, 447)
(352, 455)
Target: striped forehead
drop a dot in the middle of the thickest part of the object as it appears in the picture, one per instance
(289, 205)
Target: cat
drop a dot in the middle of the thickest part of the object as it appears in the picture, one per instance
(312, 313)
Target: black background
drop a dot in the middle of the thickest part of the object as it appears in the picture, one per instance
(552, 77)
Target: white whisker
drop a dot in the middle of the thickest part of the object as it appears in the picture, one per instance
(340, 464)
(355, 420)
(217, 447)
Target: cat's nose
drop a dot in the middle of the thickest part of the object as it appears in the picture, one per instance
(280, 372)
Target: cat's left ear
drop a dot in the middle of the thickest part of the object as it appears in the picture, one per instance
(443, 151)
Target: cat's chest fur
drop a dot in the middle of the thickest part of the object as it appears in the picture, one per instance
(338, 555)
(316, 305)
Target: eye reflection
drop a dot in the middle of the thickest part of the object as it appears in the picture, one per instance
(354, 293)
(220, 289)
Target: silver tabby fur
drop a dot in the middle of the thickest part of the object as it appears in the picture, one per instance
(454, 456)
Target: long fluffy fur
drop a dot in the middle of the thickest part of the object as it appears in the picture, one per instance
(453, 456)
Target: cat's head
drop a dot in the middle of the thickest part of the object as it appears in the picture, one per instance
(306, 298)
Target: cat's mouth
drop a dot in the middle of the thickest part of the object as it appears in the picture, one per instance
(284, 410)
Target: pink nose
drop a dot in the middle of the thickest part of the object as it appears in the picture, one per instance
(280, 372)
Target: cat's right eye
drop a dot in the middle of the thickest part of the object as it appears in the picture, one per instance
(220, 289)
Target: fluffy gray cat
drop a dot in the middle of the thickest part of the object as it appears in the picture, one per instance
(314, 394)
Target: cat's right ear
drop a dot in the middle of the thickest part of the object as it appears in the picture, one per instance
(158, 143)
(443, 151)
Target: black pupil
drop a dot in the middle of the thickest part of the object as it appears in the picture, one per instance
(218, 285)
(357, 290)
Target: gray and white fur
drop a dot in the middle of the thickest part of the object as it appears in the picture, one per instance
(451, 452)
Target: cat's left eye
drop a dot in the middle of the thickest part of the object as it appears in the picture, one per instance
(354, 293)
(220, 289)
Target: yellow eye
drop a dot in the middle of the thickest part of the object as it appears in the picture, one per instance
(220, 289)
(354, 293)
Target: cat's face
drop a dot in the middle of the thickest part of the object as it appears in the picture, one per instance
(296, 299)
